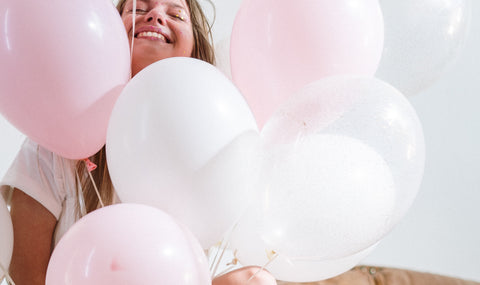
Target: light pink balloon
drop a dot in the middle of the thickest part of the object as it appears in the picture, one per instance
(278, 46)
(128, 244)
(63, 64)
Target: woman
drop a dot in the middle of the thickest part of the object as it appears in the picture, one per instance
(51, 193)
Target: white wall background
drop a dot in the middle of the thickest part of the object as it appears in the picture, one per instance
(441, 233)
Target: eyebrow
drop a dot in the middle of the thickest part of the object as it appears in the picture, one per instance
(176, 5)
(169, 3)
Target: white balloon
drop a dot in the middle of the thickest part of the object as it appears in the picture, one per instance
(319, 192)
(6, 238)
(367, 109)
(179, 139)
(422, 39)
(326, 199)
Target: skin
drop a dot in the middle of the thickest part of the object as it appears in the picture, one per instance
(33, 227)
(242, 277)
(171, 17)
(33, 224)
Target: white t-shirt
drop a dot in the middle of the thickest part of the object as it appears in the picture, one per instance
(49, 179)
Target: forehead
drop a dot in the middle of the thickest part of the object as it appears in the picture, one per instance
(172, 3)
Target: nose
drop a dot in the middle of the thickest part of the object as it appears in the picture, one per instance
(156, 16)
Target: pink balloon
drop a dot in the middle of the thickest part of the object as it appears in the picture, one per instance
(63, 64)
(279, 46)
(128, 244)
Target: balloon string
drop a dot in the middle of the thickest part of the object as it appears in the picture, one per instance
(216, 255)
(133, 30)
(7, 276)
(214, 261)
(95, 186)
(231, 264)
(223, 246)
(262, 268)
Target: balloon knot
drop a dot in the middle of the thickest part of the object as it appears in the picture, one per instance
(90, 165)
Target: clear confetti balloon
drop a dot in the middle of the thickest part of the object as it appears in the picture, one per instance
(422, 39)
(364, 108)
(326, 198)
(318, 192)
(341, 163)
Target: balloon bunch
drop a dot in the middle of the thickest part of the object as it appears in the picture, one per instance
(62, 72)
(336, 165)
(342, 152)
(180, 138)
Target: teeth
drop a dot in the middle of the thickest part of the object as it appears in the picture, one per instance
(151, 34)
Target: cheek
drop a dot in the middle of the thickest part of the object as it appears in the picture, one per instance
(127, 22)
(187, 38)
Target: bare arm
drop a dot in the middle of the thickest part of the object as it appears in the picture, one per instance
(33, 227)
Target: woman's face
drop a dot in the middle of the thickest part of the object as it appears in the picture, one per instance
(163, 29)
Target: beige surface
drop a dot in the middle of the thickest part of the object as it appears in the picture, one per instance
(369, 275)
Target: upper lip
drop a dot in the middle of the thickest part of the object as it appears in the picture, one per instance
(157, 30)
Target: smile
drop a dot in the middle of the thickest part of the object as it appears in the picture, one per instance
(153, 35)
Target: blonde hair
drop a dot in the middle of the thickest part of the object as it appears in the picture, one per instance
(203, 50)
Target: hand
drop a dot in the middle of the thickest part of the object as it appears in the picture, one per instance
(243, 276)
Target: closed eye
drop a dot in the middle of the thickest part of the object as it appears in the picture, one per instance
(137, 11)
(178, 16)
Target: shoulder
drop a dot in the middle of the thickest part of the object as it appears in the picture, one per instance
(43, 175)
